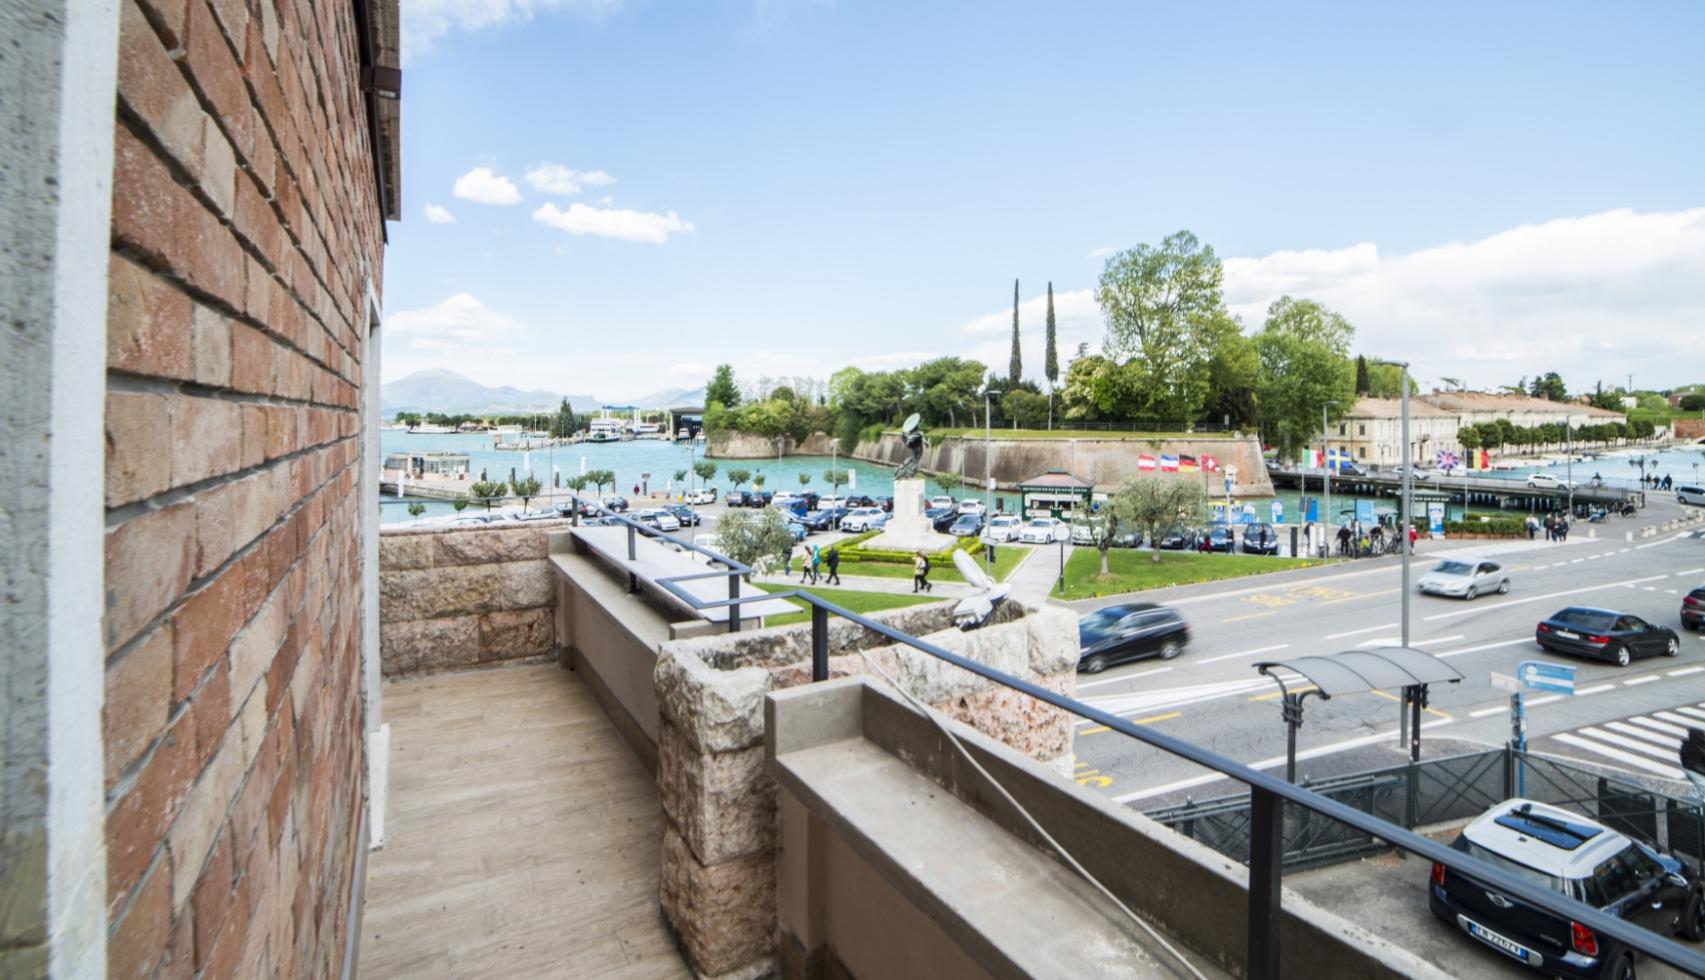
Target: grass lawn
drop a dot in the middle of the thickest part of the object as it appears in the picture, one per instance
(1131, 570)
(1000, 433)
(859, 602)
(1007, 557)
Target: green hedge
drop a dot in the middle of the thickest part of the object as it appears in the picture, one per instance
(1505, 527)
(851, 551)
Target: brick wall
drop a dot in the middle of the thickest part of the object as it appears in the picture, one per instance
(246, 232)
(465, 598)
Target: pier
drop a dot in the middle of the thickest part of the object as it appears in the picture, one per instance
(1509, 494)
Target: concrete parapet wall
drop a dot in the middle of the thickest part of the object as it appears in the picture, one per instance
(452, 599)
(750, 445)
(1105, 462)
(718, 875)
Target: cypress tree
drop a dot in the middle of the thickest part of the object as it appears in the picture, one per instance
(1050, 357)
(1015, 368)
(1363, 386)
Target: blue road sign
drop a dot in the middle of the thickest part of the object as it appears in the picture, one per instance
(1542, 676)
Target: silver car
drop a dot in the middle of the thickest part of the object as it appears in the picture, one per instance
(1465, 578)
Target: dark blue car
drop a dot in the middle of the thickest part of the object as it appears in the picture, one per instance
(1604, 634)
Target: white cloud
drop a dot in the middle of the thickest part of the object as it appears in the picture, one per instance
(554, 178)
(1103, 251)
(438, 214)
(1592, 298)
(632, 226)
(461, 333)
(424, 21)
(481, 186)
(1077, 319)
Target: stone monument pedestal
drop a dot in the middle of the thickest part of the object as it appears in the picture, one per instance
(908, 529)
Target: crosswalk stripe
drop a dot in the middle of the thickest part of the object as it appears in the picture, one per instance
(1676, 719)
(1629, 743)
(1628, 758)
(1658, 726)
(1692, 713)
(1645, 733)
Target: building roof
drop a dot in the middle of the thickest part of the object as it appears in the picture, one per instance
(1480, 401)
(1056, 480)
(1368, 407)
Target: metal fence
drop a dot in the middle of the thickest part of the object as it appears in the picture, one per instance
(1439, 791)
(1271, 808)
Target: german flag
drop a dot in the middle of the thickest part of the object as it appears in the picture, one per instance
(1186, 464)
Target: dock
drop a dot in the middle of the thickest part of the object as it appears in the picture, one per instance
(1507, 494)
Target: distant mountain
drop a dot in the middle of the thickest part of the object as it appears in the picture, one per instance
(671, 398)
(444, 391)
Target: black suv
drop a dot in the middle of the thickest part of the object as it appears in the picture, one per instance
(1260, 539)
(1573, 856)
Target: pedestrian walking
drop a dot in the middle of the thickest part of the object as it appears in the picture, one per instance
(787, 564)
(834, 560)
(1532, 527)
(1693, 760)
(1563, 530)
(1412, 536)
(1550, 527)
(920, 572)
(816, 559)
(1344, 541)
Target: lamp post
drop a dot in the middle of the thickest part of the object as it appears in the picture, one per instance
(1326, 468)
(988, 478)
(1408, 486)
(1061, 536)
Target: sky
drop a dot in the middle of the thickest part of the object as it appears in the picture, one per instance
(610, 197)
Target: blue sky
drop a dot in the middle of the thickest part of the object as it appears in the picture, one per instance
(1490, 190)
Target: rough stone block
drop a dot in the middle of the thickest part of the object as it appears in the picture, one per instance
(485, 545)
(509, 634)
(715, 710)
(401, 552)
(426, 593)
(723, 803)
(429, 644)
(525, 584)
(724, 914)
(1053, 642)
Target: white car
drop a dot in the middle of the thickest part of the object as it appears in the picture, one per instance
(1040, 530)
(1420, 474)
(1004, 527)
(970, 505)
(943, 501)
(664, 520)
(830, 503)
(705, 496)
(862, 519)
(1545, 481)
(1465, 578)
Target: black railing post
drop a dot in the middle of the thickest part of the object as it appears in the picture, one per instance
(819, 643)
(633, 537)
(1266, 852)
(734, 598)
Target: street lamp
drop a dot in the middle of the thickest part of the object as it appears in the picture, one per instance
(1062, 534)
(1326, 468)
(1403, 526)
(988, 477)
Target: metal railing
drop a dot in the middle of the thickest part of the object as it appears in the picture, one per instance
(1268, 793)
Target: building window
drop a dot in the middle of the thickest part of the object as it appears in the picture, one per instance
(1361, 428)
(1341, 428)
(1362, 452)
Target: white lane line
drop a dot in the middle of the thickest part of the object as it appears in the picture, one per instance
(1645, 733)
(1625, 757)
(1635, 681)
(1624, 551)
(1596, 689)
(1655, 751)
(1658, 726)
(1127, 677)
(1370, 629)
(1536, 702)
(1654, 544)
(1354, 743)
(1594, 557)
(1485, 712)
(1536, 568)
(1690, 571)
(1487, 646)
(1251, 653)
(1546, 596)
(1683, 672)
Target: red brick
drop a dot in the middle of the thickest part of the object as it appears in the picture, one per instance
(209, 438)
(207, 620)
(254, 435)
(216, 73)
(136, 824)
(147, 323)
(157, 217)
(256, 222)
(251, 360)
(149, 559)
(211, 348)
(211, 899)
(138, 701)
(139, 446)
(211, 710)
(152, 87)
(137, 944)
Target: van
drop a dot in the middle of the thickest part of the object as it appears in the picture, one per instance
(1690, 495)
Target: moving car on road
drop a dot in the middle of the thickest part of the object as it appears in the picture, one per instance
(1605, 635)
(1693, 609)
(1465, 578)
(616, 503)
(1114, 634)
(1545, 481)
(1690, 495)
(1003, 527)
(1040, 530)
(1567, 853)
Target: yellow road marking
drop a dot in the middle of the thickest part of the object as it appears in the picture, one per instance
(1364, 595)
(1431, 711)
(1239, 619)
(1140, 721)
(1276, 694)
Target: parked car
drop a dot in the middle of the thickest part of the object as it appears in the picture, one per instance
(966, 526)
(1082, 532)
(1421, 475)
(1574, 856)
(886, 503)
(1127, 539)
(1177, 539)
(1465, 578)
(1040, 530)
(1693, 609)
(1260, 539)
(701, 497)
(859, 500)
(970, 505)
(940, 502)
(541, 515)
(686, 515)
(789, 505)
(659, 518)
(829, 503)
(759, 498)
(1114, 634)
(1602, 634)
(1003, 527)
(817, 520)
(941, 518)
(861, 519)
(1347, 468)
(1221, 538)
(735, 498)
(797, 529)
(615, 502)
(1545, 481)
(1690, 495)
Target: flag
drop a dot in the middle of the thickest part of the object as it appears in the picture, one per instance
(1485, 460)
(1186, 464)
(1168, 463)
(1145, 462)
(1211, 464)
(1337, 457)
(1318, 459)
(1447, 460)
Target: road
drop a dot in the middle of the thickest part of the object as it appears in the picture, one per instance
(1213, 696)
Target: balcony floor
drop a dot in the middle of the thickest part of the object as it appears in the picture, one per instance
(522, 836)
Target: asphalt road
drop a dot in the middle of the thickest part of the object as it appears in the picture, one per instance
(1213, 696)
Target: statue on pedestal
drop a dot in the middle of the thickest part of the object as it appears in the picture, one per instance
(914, 440)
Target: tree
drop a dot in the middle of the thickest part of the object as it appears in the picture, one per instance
(804, 479)
(1549, 386)
(488, 492)
(949, 482)
(410, 419)
(601, 478)
(783, 393)
(750, 537)
(1026, 408)
(564, 424)
(1362, 383)
(1693, 403)
(1102, 523)
(577, 483)
(834, 478)
(1014, 365)
(1451, 384)
(945, 388)
(1154, 504)
(758, 481)
(738, 476)
(721, 388)
(1233, 370)
(1050, 357)
(460, 503)
(415, 509)
(705, 469)
(1304, 350)
(526, 489)
(1605, 399)
(1159, 303)
(1386, 381)
(1469, 436)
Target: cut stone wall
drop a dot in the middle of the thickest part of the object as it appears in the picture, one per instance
(750, 445)
(452, 599)
(718, 876)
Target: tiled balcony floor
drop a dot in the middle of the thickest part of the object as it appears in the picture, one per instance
(521, 840)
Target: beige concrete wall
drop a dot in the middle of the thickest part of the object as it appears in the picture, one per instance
(461, 598)
(747, 445)
(1104, 462)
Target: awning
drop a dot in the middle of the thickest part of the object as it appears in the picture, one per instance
(1360, 671)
